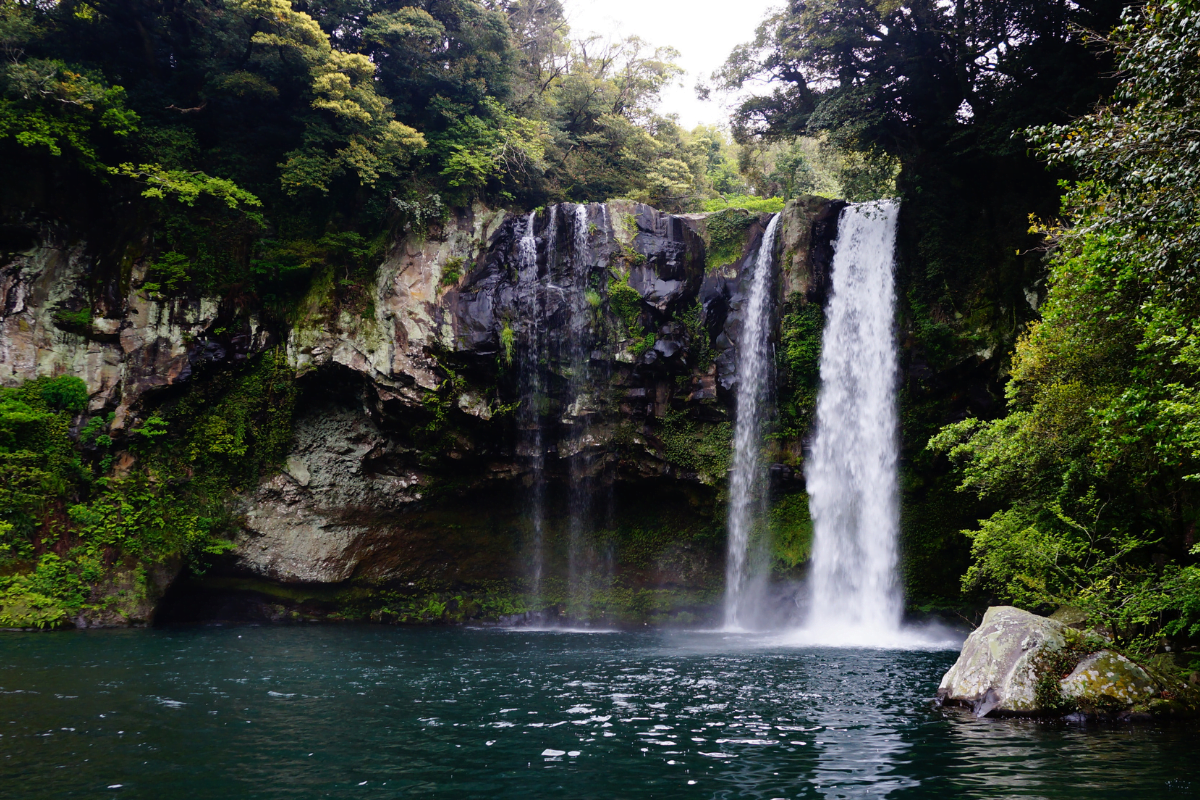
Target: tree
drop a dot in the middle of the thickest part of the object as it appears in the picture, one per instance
(1096, 461)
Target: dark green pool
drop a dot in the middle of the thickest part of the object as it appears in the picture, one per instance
(315, 712)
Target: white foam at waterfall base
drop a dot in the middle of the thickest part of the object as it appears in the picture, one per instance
(851, 473)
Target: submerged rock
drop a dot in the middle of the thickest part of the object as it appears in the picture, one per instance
(1020, 664)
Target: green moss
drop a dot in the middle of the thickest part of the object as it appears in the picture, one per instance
(704, 448)
(74, 321)
(727, 236)
(799, 365)
(791, 531)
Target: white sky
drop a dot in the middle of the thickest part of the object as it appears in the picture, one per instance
(704, 31)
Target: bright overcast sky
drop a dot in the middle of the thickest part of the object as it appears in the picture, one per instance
(704, 32)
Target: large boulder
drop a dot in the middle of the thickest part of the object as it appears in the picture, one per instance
(995, 674)
(1020, 664)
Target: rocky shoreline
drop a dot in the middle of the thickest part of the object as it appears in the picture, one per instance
(1019, 664)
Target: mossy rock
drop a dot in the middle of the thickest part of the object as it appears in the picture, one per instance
(1108, 681)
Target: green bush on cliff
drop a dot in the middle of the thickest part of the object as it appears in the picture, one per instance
(38, 462)
(238, 425)
(626, 303)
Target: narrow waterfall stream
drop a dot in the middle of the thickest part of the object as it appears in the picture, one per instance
(530, 445)
(754, 370)
(851, 471)
(579, 346)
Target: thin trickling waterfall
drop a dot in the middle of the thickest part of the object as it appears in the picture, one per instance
(530, 445)
(578, 341)
(851, 472)
(754, 368)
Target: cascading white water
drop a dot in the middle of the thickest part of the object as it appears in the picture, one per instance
(581, 239)
(753, 372)
(851, 471)
(530, 423)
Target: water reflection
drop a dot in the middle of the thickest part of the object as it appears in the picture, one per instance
(352, 712)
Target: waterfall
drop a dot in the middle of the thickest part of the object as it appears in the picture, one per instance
(581, 562)
(851, 472)
(754, 368)
(530, 414)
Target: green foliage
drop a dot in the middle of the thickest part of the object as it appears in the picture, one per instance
(791, 531)
(184, 186)
(757, 205)
(239, 426)
(799, 366)
(727, 236)
(508, 338)
(170, 503)
(1139, 152)
(626, 303)
(65, 393)
(1094, 462)
(452, 271)
(700, 346)
(44, 597)
(48, 104)
(168, 273)
(704, 448)
(37, 460)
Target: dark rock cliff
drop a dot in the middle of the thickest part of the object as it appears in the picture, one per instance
(412, 461)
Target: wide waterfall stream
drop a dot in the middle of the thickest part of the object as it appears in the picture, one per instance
(359, 711)
(851, 471)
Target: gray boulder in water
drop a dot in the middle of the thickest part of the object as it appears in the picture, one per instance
(1019, 664)
(996, 672)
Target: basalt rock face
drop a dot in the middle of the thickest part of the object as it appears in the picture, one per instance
(57, 318)
(411, 457)
(422, 422)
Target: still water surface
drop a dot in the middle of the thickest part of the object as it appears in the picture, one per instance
(361, 712)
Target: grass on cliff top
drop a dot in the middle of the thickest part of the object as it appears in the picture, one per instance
(727, 231)
(749, 202)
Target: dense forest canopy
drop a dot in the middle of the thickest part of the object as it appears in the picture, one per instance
(267, 132)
